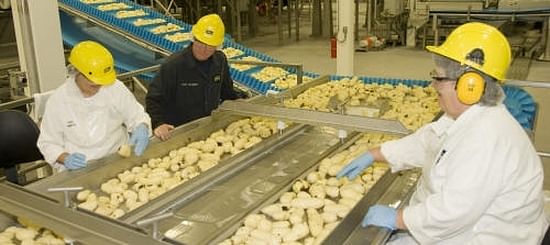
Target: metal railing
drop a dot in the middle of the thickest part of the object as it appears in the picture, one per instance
(121, 76)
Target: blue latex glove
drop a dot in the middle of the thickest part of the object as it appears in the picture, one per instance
(355, 167)
(140, 139)
(75, 161)
(380, 215)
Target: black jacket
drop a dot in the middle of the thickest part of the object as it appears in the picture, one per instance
(181, 92)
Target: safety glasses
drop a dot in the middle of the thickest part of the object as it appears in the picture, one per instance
(204, 45)
(437, 78)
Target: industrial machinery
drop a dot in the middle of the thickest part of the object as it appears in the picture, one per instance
(203, 184)
(210, 206)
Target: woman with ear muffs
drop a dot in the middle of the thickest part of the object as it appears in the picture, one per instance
(482, 178)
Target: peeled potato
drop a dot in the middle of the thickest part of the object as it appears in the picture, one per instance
(125, 150)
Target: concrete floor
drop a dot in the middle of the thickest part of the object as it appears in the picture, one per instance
(399, 62)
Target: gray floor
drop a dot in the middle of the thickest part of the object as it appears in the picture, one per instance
(399, 62)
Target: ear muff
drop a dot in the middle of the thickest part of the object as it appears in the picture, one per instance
(470, 87)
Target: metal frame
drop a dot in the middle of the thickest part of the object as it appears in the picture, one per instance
(80, 226)
(122, 76)
(354, 123)
(503, 15)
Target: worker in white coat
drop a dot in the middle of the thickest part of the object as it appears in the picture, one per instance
(481, 176)
(92, 113)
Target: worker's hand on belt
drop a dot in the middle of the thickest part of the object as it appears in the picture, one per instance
(163, 131)
(75, 161)
(140, 139)
(380, 215)
(355, 167)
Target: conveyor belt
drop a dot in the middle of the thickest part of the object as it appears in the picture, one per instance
(221, 207)
(130, 56)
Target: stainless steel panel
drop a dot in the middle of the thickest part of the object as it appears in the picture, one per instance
(106, 168)
(354, 123)
(79, 226)
(205, 218)
(396, 195)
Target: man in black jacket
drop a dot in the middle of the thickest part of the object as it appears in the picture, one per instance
(193, 82)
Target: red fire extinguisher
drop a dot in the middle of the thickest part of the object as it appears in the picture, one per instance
(333, 47)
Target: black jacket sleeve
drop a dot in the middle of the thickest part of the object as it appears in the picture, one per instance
(156, 99)
(227, 90)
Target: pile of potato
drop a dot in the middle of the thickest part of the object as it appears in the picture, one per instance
(179, 36)
(145, 22)
(240, 67)
(316, 204)
(290, 81)
(135, 187)
(412, 106)
(269, 73)
(165, 28)
(29, 234)
(113, 6)
(232, 52)
(130, 13)
(96, 1)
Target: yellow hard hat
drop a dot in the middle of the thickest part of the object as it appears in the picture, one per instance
(209, 29)
(94, 61)
(470, 37)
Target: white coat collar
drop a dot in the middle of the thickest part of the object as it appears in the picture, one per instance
(467, 117)
(442, 124)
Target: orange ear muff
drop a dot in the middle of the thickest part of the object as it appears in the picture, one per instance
(470, 87)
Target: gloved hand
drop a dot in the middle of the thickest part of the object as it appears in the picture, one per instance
(356, 166)
(380, 215)
(140, 139)
(75, 161)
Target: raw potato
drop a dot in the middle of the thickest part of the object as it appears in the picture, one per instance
(27, 234)
(290, 81)
(113, 6)
(96, 1)
(232, 52)
(269, 73)
(82, 195)
(179, 36)
(165, 28)
(314, 221)
(315, 205)
(413, 106)
(130, 13)
(144, 22)
(158, 175)
(125, 150)
(240, 67)
(22, 234)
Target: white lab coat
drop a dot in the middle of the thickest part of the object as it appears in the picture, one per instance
(95, 126)
(481, 181)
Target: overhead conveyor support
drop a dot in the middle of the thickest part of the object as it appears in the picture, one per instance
(354, 123)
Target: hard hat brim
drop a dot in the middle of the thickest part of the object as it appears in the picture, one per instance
(105, 80)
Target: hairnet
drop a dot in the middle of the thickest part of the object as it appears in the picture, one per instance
(493, 93)
(72, 71)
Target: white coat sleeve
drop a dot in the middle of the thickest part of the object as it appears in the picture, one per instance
(416, 149)
(132, 112)
(51, 139)
(467, 180)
